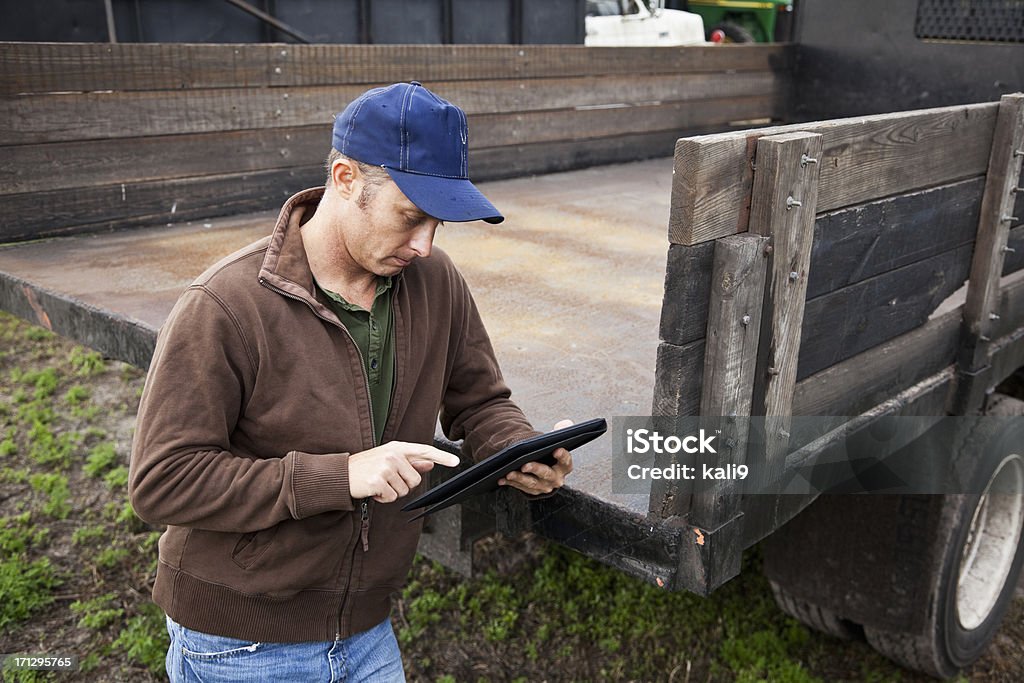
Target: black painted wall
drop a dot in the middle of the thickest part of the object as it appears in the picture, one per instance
(862, 57)
(325, 21)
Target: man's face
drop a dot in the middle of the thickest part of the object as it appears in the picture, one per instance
(391, 231)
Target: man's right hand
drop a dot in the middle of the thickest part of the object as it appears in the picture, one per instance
(388, 472)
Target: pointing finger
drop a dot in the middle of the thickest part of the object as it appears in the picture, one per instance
(434, 455)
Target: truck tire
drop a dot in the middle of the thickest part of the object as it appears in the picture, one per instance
(978, 558)
(811, 615)
(734, 33)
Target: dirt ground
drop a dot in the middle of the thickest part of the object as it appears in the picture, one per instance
(76, 568)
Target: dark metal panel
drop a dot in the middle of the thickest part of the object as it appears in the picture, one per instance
(476, 22)
(406, 21)
(185, 21)
(80, 21)
(552, 22)
(861, 58)
(325, 21)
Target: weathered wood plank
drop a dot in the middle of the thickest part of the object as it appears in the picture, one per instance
(862, 159)
(784, 200)
(1002, 178)
(30, 215)
(678, 379)
(730, 359)
(677, 391)
(60, 212)
(114, 335)
(1015, 259)
(497, 130)
(499, 115)
(850, 245)
(65, 67)
(512, 161)
(875, 375)
(1011, 305)
(785, 194)
(89, 163)
(843, 323)
(33, 168)
(684, 310)
(734, 314)
(859, 242)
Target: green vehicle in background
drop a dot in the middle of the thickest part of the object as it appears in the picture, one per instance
(740, 21)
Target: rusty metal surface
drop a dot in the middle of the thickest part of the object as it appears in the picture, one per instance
(570, 288)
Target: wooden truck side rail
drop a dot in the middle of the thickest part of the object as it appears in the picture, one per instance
(112, 136)
(806, 263)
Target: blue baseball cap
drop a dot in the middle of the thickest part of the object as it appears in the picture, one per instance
(422, 141)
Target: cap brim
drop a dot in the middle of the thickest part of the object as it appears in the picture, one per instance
(448, 199)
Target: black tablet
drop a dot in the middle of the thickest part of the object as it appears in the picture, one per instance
(484, 475)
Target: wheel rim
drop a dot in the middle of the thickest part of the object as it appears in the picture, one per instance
(992, 543)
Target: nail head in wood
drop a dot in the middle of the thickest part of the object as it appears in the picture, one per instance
(804, 160)
(773, 371)
(993, 316)
(790, 203)
(794, 276)
(745, 320)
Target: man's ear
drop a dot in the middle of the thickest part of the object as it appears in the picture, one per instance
(344, 174)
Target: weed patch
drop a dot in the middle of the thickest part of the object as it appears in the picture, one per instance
(26, 587)
(86, 363)
(97, 613)
(55, 488)
(144, 638)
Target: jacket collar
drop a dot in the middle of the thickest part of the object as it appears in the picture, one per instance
(285, 265)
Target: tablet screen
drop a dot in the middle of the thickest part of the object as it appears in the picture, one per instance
(484, 475)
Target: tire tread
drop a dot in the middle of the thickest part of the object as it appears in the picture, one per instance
(812, 615)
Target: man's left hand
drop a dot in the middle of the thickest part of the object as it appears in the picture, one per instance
(536, 478)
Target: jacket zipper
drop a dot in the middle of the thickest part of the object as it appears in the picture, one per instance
(364, 508)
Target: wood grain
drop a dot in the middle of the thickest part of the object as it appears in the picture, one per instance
(862, 159)
(875, 375)
(730, 359)
(733, 329)
(60, 212)
(845, 322)
(96, 116)
(1004, 172)
(69, 67)
(91, 163)
(785, 195)
(678, 378)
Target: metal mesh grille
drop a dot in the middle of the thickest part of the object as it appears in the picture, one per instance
(999, 21)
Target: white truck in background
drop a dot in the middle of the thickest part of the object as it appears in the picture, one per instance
(629, 23)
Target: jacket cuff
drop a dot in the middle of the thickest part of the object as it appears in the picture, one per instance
(319, 483)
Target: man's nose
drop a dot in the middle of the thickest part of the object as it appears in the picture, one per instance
(423, 239)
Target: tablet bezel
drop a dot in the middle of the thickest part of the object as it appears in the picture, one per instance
(485, 474)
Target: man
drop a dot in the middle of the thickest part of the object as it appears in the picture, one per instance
(292, 398)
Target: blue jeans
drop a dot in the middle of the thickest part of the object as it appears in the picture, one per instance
(368, 656)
